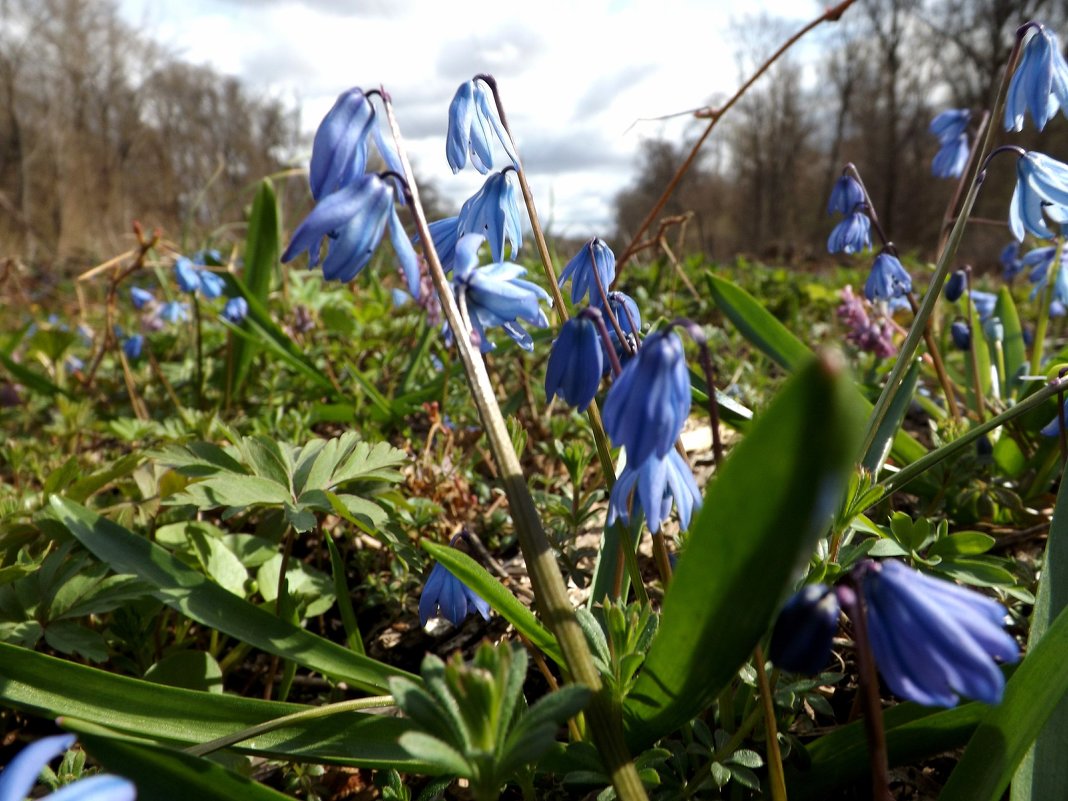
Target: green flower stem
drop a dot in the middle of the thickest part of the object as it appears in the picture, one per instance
(374, 702)
(1043, 308)
(973, 354)
(198, 387)
(939, 365)
(550, 592)
(893, 483)
(945, 258)
(776, 777)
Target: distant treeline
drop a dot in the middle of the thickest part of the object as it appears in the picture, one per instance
(863, 90)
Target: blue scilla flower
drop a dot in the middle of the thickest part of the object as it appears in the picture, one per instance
(447, 596)
(851, 235)
(1009, 259)
(626, 312)
(472, 120)
(650, 400)
(888, 279)
(339, 151)
(1037, 262)
(954, 287)
(174, 311)
(1041, 186)
(132, 346)
(1040, 83)
(140, 297)
(594, 262)
(493, 212)
(985, 302)
(951, 158)
(961, 335)
(950, 124)
(18, 778)
(1053, 427)
(804, 630)
(659, 480)
(934, 641)
(576, 363)
(235, 310)
(444, 233)
(497, 295)
(354, 219)
(846, 195)
(192, 278)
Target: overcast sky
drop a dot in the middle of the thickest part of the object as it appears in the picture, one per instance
(574, 74)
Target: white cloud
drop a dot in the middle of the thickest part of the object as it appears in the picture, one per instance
(574, 75)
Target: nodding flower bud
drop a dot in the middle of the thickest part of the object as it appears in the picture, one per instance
(804, 630)
(994, 329)
(955, 286)
(960, 334)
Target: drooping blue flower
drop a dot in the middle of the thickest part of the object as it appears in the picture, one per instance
(650, 400)
(951, 158)
(955, 286)
(354, 218)
(595, 260)
(493, 212)
(472, 119)
(132, 346)
(961, 335)
(140, 297)
(804, 630)
(1037, 262)
(985, 302)
(933, 640)
(19, 777)
(192, 278)
(888, 279)
(851, 235)
(1009, 259)
(447, 596)
(174, 311)
(1053, 427)
(444, 233)
(846, 195)
(497, 295)
(576, 363)
(950, 124)
(1040, 84)
(659, 480)
(1041, 186)
(626, 312)
(339, 151)
(235, 310)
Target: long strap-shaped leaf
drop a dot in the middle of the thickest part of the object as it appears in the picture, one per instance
(50, 687)
(201, 599)
(1002, 739)
(774, 496)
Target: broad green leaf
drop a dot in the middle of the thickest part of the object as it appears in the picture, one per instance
(262, 250)
(963, 543)
(884, 438)
(344, 598)
(98, 479)
(50, 687)
(981, 353)
(913, 733)
(496, 595)
(1043, 773)
(774, 495)
(232, 490)
(1013, 346)
(193, 670)
(201, 599)
(31, 378)
(69, 637)
(1036, 689)
(165, 773)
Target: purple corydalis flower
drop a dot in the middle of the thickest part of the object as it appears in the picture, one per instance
(804, 631)
(650, 400)
(19, 777)
(658, 481)
(846, 195)
(1041, 186)
(576, 363)
(446, 596)
(235, 310)
(851, 235)
(867, 334)
(354, 219)
(594, 255)
(497, 295)
(493, 212)
(934, 640)
(140, 297)
(1040, 84)
(472, 119)
(888, 279)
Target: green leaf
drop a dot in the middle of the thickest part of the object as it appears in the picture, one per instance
(1036, 689)
(164, 773)
(262, 249)
(497, 596)
(31, 378)
(186, 590)
(69, 637)
(344, 598)
(436, 752)
(774, 495)
(193, 670)
(1013, 346)
(232, 490)
(50, 687)
(963, 543)
(757, 324)
(1043, 773)
(884, 438)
